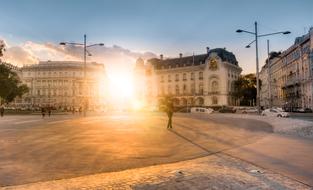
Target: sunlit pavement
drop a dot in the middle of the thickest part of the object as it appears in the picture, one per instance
(64, 146)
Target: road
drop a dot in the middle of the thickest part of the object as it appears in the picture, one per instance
(34, 149)
(302, 116)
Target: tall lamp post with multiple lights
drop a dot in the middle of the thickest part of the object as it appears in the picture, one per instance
(85, 64)
(256, 35)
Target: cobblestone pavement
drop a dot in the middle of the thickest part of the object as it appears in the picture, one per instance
(212, 172)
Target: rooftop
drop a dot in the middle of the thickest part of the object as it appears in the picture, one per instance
(194, 60)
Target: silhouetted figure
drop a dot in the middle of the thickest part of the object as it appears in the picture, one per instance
(2, 111)
(43, 112)
(49, 111)
(73, 110)
(169, 111)
(80, 110)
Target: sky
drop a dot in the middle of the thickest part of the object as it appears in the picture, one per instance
(130, 29)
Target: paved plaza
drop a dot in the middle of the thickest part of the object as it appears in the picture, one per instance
(68, 146)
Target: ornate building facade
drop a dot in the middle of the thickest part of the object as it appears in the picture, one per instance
(290, 75)
(62, 84)
(200, 80)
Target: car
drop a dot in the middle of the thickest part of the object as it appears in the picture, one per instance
(249, 110)
(274, 113)
(304, 110)
(226, 109)
(201, 110)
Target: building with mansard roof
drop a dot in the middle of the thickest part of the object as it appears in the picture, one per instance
(200, 80)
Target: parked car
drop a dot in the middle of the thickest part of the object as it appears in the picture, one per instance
(226, 109)
(249, 110)
(184, 110)
(201, 110)
(304, 110)
(275, 113)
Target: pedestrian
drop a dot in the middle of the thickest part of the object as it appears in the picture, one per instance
(2, 111)
(169, 110)
(80, 110)
(73, 110)
(49, 111)
(43, 112)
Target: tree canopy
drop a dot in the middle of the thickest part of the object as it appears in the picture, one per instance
(245, 89)
(10, 84)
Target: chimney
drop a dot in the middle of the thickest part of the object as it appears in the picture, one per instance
(180, 55)
(161, 56)
(207, 50)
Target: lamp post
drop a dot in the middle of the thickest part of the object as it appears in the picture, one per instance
(256, 35)
(85, 64)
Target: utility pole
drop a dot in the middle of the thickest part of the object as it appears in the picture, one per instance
(269, 74)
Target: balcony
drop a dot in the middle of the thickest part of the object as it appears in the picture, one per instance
(291, 82)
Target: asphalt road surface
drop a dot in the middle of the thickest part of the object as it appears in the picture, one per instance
(35, 149)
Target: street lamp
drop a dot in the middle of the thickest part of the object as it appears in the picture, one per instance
(86, 52)
(256, 35)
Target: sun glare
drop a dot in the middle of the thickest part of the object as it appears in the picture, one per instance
(121, 86)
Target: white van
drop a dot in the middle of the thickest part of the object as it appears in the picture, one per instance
(201, 110)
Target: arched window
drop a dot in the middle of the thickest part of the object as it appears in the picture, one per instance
(214, 86)
(200, 101)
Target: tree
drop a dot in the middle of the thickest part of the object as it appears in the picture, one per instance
(245, 89)
(10, 84)
(2, 48)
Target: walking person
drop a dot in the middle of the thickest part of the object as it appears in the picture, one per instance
(2, 111)
(43, 112)
(169, 112)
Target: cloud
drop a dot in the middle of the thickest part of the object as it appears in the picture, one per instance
(113, 57)
(19, 56)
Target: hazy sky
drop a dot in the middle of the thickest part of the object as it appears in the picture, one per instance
(159, 26)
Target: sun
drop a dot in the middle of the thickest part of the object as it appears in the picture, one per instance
(121, 86)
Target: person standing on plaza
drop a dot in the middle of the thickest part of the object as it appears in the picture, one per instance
(43, 112)
(1, 111)
(49, 111)
(169, 111)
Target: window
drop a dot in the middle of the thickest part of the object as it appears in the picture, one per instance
(162, 79)
(177, 90)
(176, 77)
(200, 88)
(192, 87)
(214, 100)
(200, 75)
(214, 86)
(169, 78)
(184, 77)
(192, 76)
(185, 88)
